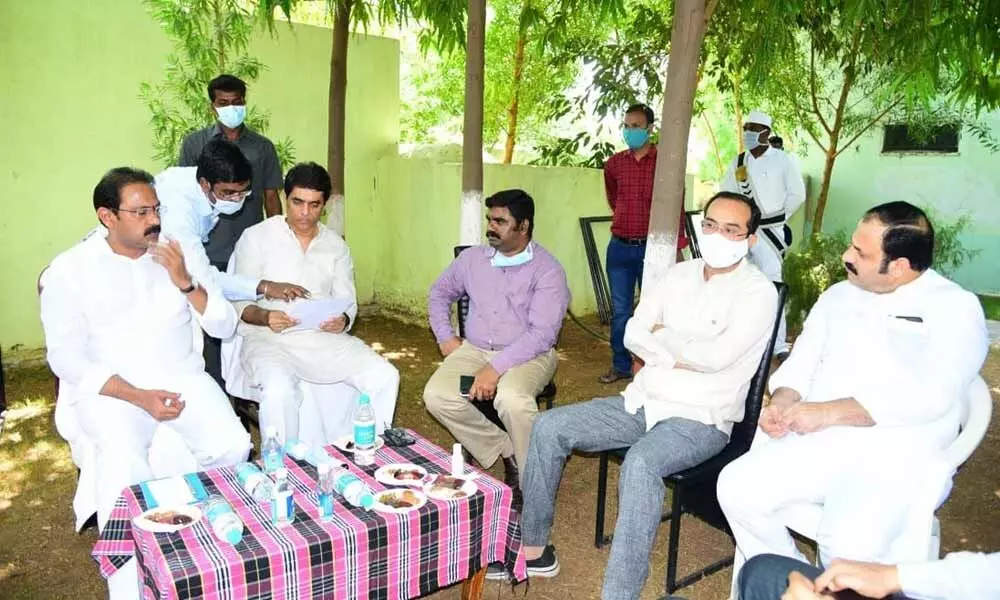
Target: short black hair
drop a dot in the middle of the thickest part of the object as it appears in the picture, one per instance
(642, 108)
(754, 221)
(519, 203)
(909, 234)
(776, 142)
(226, 83)
(108, 191)
(308, 175)
(222, 161)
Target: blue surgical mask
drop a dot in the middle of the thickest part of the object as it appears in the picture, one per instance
(635, 137)
(751, 140)
(232, 116)
(502, 260)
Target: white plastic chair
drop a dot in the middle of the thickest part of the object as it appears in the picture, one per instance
(805, 519)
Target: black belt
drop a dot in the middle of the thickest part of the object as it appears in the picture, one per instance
(775, 220)
(631, 241)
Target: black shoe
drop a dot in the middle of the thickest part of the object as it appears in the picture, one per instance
(513, 479)
(613, 376)
(546, 565)
(497, 572)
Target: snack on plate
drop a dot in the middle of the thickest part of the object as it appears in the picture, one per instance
(406, 474)
(399, 499)
(446, 486)
(169, 517)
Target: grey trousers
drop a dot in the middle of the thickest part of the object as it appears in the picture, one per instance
(670, 446)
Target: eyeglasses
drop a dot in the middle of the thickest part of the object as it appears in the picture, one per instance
(143, 211)
(232, 197)
(730, 231)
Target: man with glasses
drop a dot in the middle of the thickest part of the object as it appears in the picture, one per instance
(193, 199)
(771, 178)
(117, 309)
(628, 183)
(701, 333)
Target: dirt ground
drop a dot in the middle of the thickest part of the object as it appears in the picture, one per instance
(41, 557)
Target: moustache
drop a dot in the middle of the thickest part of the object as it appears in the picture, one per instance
(490, 234)
(151, 230)
(851, 268)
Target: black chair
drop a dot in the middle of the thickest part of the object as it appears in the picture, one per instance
(693, 490)
(693, 230)
(548, 393)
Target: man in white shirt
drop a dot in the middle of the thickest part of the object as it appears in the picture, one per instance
(701, 332)
(959, 576)
(874, 386)
(297, 247)
(117, 310)
(772, 179)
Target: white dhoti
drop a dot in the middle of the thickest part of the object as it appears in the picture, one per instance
(122, 433)
(276, 363)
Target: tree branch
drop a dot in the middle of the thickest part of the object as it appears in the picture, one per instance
(710, 10)
(815, 139)
(812, 88)
(870, 124)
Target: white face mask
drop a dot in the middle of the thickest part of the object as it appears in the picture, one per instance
(226, 207)
(751, 139)
(502, 260)
(232, 116)
(720, 252)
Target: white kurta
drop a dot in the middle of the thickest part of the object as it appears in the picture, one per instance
(106, 314)
(720, 327)
(907, 357)
(188, 217)
(277, 361)
(961, 575)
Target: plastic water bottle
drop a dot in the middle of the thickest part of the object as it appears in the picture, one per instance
(351, 487)
(282, 506)
(254, 482)
(271, 451)
(298, 450)
(226, 524)
(326, 489)
(364, 432)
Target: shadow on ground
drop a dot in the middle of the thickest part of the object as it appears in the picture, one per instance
(41, 557)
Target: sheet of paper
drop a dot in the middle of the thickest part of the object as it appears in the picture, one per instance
(172, 491)
(313, 312)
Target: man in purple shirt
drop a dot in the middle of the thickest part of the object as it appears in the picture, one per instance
(518, 298)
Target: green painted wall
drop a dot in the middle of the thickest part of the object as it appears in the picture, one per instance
(417, 201)
(69, 109)
(963, 183)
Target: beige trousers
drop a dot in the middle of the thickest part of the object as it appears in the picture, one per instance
(515, 402)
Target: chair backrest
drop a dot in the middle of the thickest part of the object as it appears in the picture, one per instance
(692, 222)
(743, 432)
(463, 302)
(975, 422)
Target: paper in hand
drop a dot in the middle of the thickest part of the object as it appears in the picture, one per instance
(313, 312)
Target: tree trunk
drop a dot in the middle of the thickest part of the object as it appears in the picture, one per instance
(824, 191)
(337, 113)
(832, 149)
(219, 26)
(671, 157)
(508, 150)
(738, 111)
(715, 145)
(472, 135)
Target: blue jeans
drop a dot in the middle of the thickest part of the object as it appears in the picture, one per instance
(624, 266)
(765, 577)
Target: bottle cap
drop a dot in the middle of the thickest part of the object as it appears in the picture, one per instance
(324, 468)
(234, 535)
(365, 399)
(367, 501)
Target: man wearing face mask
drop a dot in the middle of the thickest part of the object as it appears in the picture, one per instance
(227, 95)
(701, 333)
(518, 298)
(771, 178)
(193, 198)
(874, 386)
(628, 184)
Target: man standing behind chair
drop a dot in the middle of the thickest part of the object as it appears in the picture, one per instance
(701, 332)
(518, 297)
(875, 384)
(117, 310)
(299, 248)
(772, 179)
(628, 183)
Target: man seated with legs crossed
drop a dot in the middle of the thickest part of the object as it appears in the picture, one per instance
(517, 301)
(874, 385)
(298, 248)
(117, 311)
(701, 331)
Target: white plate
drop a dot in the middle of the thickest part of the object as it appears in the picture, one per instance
(385, 475)
(468, 489)
(143, 521)
(380, 506)
(342, 443)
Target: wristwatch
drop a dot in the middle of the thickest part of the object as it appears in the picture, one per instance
(189, 288)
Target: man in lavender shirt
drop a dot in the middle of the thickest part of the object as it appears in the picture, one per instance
(518, 298)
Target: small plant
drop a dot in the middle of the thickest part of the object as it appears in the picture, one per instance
(810, 270)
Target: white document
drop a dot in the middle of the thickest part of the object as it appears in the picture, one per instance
(172, 491)
(313, 312)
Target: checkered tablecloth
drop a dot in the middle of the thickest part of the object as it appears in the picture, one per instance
(357, 554)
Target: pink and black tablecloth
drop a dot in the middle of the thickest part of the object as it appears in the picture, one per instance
(358, 554)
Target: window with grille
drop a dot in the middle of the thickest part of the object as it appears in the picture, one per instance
(942, 139)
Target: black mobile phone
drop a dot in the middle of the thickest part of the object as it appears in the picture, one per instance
(465, 384)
